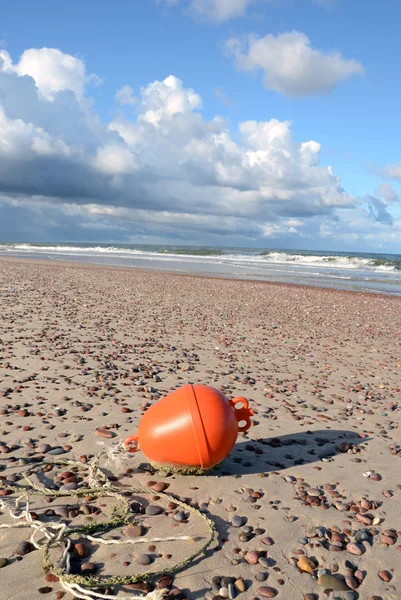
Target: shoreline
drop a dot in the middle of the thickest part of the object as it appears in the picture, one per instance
(124, 268)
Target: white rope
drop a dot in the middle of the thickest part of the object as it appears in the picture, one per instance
(181, 538)
(78, 592)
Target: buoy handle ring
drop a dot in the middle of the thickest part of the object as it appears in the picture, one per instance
(131, 443)
(242, 414)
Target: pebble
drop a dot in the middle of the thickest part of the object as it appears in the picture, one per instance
(240, 585)
(354, 548)
(351, 582)
(3, 562)
(144, 559)
(88, 568)
(160, 486)
(267, 592)
(306, 564)
(385, 575)
(180, 516)
(267, 541)
(332, 582)
(153, 510)
(81, 550)
(24, 548)
(104, 433)
(238, 521)
(134, 531)
(362, 536)
(252, 557)
(43, 448)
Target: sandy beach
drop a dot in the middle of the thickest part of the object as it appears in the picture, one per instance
(306, 507)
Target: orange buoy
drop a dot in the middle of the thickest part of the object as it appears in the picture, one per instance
(191, 429)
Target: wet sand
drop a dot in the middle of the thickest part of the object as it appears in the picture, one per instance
(309, 498)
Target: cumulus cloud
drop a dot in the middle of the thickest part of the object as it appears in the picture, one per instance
(213, 10)
(52, 71)
(290, 65)
(217, 11)
(161, 169)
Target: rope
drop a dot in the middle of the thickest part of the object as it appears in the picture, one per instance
(59, 535)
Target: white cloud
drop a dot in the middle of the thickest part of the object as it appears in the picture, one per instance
(393, 172)
(52, 70)
(213, 10)
(162, 168)
(290, 65)
(219, 10)
(115, 159)
(126, 96)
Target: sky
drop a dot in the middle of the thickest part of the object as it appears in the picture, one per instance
(261, 123)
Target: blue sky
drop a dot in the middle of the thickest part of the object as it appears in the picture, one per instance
(329, 67)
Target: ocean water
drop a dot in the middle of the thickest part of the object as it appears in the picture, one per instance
(341, 270)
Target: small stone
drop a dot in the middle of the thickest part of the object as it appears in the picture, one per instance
(45, 590)
(3, 562)
(88, 567)
(386, 539)
(68, 487)
(354, 548)
(134, 531)
(240, 585)
(144, 559)
(104, 433)
(375, 477)
(267, 592)
(252, 557)
(332, 582)
(56, 451)
(160, 486)
(267, 541)
(385, 576)
(231, 591)
(314, 492)
(261, 576)
(62, 511)
(180, 516)
(306, 564)
(238, 521)
(24, 548)
(43, 448)
(81, 550)
(361, 536)
(351, 582)
(153, 510)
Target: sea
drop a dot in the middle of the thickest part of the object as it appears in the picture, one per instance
(357, 271)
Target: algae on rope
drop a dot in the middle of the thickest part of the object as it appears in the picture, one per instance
(60, 535)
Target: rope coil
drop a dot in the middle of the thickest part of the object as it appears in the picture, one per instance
(59, 534)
